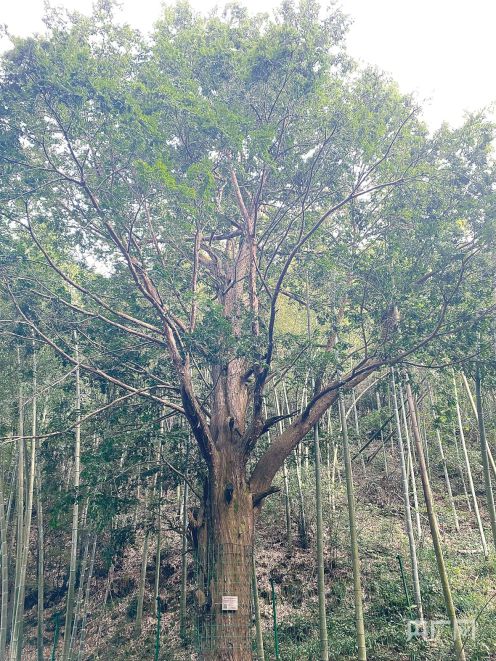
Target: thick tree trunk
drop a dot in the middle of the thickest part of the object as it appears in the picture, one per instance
(224, 547)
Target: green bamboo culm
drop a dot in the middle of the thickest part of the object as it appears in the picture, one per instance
(324, 645)
(157, 636)
(5, 572)
(407, 595)
(406, 499)
(355, 559)
(274, 615)
(403, 580)
(434, 527)
(184, 551)
(469, 470)
(69, 613)
(256, 607)
(323, 639)
(55, 639)
(484, 454)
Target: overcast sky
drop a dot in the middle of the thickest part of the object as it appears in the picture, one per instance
(443, 50)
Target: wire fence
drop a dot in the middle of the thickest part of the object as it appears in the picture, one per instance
(224, 601)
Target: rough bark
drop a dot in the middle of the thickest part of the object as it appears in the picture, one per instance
(223, 537)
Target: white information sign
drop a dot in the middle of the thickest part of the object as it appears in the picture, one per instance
(229, 603)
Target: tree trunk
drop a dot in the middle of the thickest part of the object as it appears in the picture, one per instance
(224, 546)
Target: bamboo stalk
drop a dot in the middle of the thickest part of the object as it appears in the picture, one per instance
(184, 551)
(19, 619)
(490, 457)
(4, 554)
(357, 427)
(141, 588)
(302, 519)
(434, 527)
(82, 638)
(408, 512)
(256, 608)
(469, 471)
(158, 554)
(324, 646)
(287, 501)
(484, 454)
(445, 470)
(460, 470)
(75, 515)
(409, 469)
(41, 566)
(357, 585)
(378, 400)
(17, 612)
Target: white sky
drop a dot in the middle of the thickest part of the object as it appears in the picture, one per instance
(443, 50)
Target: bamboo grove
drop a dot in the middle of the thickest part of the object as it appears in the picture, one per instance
(247, 317)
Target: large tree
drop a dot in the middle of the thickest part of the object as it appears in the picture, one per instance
(189, 190)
